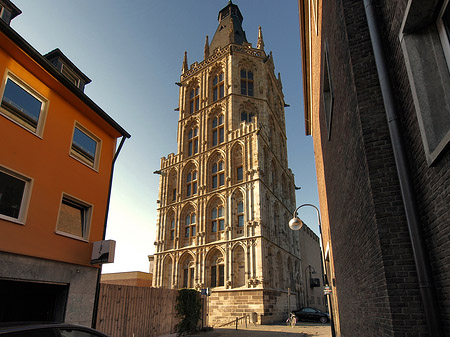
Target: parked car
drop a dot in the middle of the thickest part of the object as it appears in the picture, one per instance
(47, 330)
(311, 314)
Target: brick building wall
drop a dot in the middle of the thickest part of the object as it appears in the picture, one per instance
(374, 265)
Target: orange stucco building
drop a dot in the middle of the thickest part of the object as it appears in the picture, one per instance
(57, 153)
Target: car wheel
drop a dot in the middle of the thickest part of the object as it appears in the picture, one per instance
(323, 320)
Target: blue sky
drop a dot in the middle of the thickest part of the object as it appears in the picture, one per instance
(133, 51)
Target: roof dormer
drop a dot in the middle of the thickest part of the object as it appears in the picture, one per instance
(8, 11)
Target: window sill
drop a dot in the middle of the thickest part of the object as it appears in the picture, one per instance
(11, 219)
(71, 236)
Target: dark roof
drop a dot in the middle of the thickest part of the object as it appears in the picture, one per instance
(230, 28)
(48, 66)
(57, 53)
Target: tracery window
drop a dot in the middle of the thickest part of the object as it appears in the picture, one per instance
(172, 229)
(218, 133)
(193, 141)
(218, 174)
(194, 100)
(246, 82)
(191, 183)
(218, 87)
(240, 213)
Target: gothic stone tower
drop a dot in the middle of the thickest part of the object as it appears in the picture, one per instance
(227, 195)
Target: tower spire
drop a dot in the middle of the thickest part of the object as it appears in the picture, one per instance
(260, 43)
(185, 63)
(206, 52)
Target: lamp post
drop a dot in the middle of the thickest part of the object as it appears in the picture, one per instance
(296, 224)
(306, 282)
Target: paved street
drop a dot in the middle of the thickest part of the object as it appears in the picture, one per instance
(276, 330)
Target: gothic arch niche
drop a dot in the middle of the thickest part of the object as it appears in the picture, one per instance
(167, 272)
(172, 187)
(247, 114)
(290, 274)
(192, 97)
(275, 221)
(189, 180)
(270, 277)
(191, 138)
(273, 176)
(237, 213)
(215, 219)
(237, 163)
(279, 272)
(238, 266)
(216, 171)
(215, 268)
(186, 271)
(188, 225)
(171, 225)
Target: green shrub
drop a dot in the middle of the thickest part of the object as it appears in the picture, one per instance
(188, 308)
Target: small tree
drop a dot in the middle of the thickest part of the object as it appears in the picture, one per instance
(188, 308)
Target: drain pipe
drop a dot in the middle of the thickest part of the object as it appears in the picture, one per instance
(427, 290)
(99, 273)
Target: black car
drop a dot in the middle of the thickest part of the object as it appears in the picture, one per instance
(47, 330)
(311, 314)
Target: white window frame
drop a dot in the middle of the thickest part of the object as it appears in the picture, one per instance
(91, 135)
(88, 211)
(26, 196)
(44, 106)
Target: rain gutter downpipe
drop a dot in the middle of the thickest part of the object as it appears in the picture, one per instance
(421, 260)
(99, 273)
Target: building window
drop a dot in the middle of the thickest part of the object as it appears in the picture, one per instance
(23, 106)
(14, 195)
(194, 100)
(218, 132)
(246, 82)
(70, 75)
(240, 214)
(189, 229)
(218, 175)
(217, 219)
(240, 173)
(85, 147)
(218, 87)
(217, 276)
(74, 218)
(428, 72)
(191, 183)
(327, 92)
(246, 117)
(174, 194)
(192, 141)
(172, 229)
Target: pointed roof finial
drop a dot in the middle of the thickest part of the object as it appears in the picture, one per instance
(206, 50)
(260, 43)
(185, 63)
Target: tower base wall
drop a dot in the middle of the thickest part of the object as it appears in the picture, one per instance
(262, 306)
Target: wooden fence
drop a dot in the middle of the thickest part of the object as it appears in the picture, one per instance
(129, 311)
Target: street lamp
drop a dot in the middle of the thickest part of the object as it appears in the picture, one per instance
(296, 223)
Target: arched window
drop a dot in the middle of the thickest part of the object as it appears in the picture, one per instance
(186, 274)
(218, 87)
(218, 175)
(191, 183)
(246, 82)
(192, 141)
(218, 135)
(190, 225)
(247, 116)
(172, 230)
(216, 270)
(167, 273)
(217, 219)
(194, 100)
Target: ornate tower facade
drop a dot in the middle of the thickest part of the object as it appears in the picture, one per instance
(227, 195)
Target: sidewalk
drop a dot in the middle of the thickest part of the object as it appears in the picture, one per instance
(276, 330)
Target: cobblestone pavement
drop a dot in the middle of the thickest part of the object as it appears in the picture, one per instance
(276, 330)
